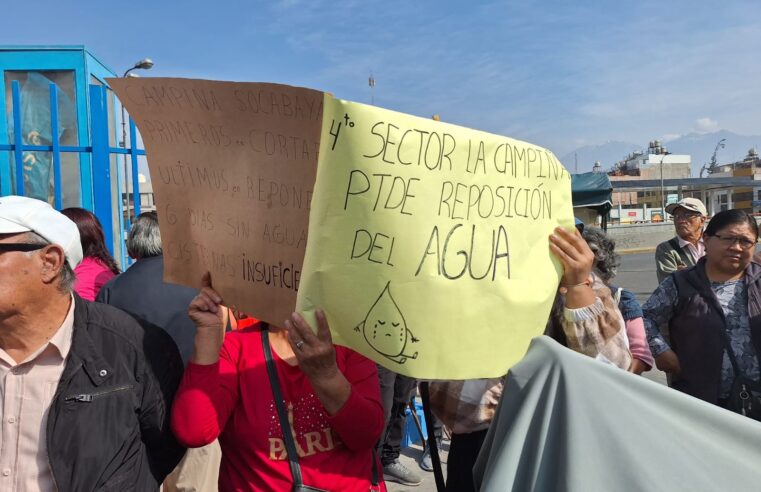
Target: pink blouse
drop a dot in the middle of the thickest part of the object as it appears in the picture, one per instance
(635, 330)
(91, 276)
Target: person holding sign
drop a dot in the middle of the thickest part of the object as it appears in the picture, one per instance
(264, 391)
(585, 317)
(606, 262)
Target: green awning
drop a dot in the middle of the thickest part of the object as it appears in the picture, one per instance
(592, 190)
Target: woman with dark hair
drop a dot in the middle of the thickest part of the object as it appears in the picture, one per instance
(605, 266)
(713, 310)
(98, 266)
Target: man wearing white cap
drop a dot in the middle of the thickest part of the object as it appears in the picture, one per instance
(686, 248)
(85, 391)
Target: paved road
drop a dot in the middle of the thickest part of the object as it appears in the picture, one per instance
(409, 458)
(637, 274)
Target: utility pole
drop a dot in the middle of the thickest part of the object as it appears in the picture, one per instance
(371, 83)
(144, 64)
(663, 198)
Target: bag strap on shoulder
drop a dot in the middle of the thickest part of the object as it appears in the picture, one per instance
(285, 427)
(731, 354)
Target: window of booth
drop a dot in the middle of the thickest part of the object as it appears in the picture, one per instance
(36, 130)
(119, 249)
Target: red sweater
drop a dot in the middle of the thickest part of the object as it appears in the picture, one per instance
(232, 400)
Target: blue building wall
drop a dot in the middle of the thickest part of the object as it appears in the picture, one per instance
(89, 178)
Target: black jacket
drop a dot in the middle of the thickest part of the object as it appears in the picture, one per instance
(142, 292)
(108, 424)
(695, 329)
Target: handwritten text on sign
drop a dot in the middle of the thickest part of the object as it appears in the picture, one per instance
(429, 242)
(232, 167)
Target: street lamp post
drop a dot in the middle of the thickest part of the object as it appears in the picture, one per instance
(144, 64)
(663, 198)
(663, 194)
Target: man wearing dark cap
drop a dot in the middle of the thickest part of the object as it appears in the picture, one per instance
(85, 392)
(686, 248)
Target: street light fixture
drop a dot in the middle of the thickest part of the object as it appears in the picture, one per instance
(144, 64)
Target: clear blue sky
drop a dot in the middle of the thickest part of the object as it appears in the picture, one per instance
(557, 73)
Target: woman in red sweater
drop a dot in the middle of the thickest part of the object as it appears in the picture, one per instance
(331, 397)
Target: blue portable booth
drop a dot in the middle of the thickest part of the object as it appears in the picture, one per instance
(58, 140)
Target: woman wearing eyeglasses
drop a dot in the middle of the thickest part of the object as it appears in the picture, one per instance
(710, 307)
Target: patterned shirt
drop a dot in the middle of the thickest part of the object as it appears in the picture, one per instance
(733, 298)
(466, 406)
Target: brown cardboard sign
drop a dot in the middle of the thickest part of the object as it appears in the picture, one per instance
(233, 167)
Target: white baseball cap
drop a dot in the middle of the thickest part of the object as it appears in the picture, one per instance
(21, 214)
(691, 204)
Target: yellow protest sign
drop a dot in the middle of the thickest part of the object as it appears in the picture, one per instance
(428, 242)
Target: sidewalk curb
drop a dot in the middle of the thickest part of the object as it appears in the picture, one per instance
(633, 251)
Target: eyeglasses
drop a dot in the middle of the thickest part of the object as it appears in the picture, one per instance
(7, 247)
(728, 241)
(686, 217)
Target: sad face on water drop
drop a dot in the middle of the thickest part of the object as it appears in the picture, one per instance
(385, 328)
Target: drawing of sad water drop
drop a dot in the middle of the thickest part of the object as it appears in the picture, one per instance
(385, 328)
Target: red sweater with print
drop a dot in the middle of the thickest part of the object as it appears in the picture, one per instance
(232, 400)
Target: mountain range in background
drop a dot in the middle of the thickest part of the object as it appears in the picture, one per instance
(699, 145)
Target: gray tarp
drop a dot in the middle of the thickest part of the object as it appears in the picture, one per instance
(567, 422)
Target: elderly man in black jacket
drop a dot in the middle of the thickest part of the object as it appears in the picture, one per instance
(86, 391)
(142, 292)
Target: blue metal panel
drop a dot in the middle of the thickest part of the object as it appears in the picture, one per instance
(97, 68)
(83, 134)
(56, 147)
(119, 150)
(41, 60)
(49, 148)
(135, 180)
(5, 161)
(123, 228)
(101, 162)
(5, 174)
(17, 139)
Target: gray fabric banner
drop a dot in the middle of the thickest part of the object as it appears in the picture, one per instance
(567, 422)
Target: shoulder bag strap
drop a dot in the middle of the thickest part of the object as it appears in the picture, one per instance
(290, 445)
(374, 475)
(285, 427)
(730, 352)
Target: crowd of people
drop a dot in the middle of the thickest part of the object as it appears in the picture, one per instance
(120, 381)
